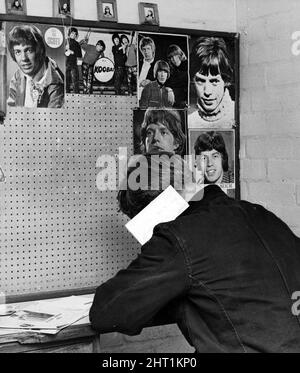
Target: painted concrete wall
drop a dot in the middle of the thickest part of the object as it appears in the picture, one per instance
(204, 14)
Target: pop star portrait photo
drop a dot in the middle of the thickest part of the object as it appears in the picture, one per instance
(162, 70)
(213, 156)
(148, 14)
(157, 130)
(63, 8)
(107, 10)
(35, 65)
(212, 83)
(101, 62)
(16, 6)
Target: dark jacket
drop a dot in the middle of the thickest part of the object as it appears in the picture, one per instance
(51, 91)
(71, 59)
(224, 270)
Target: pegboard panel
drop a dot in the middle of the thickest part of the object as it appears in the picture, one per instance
(57, 230)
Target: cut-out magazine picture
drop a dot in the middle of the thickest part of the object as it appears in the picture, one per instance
(63, 8)
(213, 156)
(157, 130)
(212, 82)
(35, 65)
(101, 62)
(162, 70)
(15, 6)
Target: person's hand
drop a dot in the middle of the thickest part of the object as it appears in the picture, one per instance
(199, 171)
(145, 82)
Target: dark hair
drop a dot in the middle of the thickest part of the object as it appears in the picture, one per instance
(209, 141)
(209, 55)
(175, 50)
(159, 171)
(115, 36)
(124, 37)
(73, 29)
(161, 65)
(101, 42)
(27, 34)
(170, 118)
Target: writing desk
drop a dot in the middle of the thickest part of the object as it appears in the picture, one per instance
(78, 337)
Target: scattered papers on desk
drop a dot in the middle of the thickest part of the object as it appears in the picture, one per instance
(48, 316)
(165, 207)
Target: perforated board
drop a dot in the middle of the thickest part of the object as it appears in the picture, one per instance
(57, 230)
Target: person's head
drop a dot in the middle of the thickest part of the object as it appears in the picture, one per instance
(161, 130)
(16, 3)
(65, 7)
(149, 13)
(100, 46)
(107, 9)
(175, 55)
(27, 48)
(161, 71)
(211, 156)
(148, 175)
(124, 39)
(210, 71)
(115, 39)
(147, 48)
(73, 33)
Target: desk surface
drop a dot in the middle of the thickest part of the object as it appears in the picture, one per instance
(81, 329)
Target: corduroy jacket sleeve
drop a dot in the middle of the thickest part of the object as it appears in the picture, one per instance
(128, 301)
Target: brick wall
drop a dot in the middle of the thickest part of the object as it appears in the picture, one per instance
(270, 106)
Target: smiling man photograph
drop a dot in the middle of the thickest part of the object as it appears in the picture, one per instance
(212, 158)
(38, 81)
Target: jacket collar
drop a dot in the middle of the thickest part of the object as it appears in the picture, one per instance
(211, 194)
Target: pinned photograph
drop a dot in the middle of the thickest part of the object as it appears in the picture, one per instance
(148, 14)
(163, 70)
(16, 6)
(157, 130)
(35, 65)
(63, 8)
(107, 10)
(101, 62)
(213, 156)
(212, 82)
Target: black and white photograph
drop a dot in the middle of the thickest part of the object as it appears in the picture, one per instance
(16, 6)
(35, 65)
(149, 181)
(162, 70)
(101, 62)
(63, 8)
(212, 82)
(107, 10)
(148, 13)
(213, 156)
(158, 130)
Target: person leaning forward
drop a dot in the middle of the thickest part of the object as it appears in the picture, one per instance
(224, 271)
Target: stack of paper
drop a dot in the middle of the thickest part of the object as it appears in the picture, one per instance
(48, 316)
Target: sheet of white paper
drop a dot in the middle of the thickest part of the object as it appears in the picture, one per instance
(166, 207)
(48, 316)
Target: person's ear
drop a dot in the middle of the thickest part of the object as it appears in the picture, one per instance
(176, 144)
